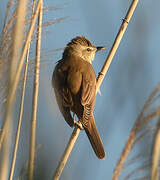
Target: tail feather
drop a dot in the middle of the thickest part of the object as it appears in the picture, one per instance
(95, 139)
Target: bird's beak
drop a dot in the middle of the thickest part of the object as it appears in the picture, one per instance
(100, 48)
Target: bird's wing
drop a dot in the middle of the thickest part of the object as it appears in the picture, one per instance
(88, 90)
(88, 98)
(88, 122)
(62, 93)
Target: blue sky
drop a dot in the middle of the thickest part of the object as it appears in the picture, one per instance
(133, 74)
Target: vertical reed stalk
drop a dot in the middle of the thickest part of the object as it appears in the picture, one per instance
(21, 111)
(100, 78)
(156, 154)
(20, 120)
(35, 96)
(17, 39)
(19, 69)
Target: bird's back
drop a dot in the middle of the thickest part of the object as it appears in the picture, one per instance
(70, 73)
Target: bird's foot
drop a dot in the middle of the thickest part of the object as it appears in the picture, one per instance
(78, 124)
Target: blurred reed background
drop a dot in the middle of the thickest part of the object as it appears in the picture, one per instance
(119, 111)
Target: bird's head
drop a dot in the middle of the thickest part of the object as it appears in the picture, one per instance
(82, 47)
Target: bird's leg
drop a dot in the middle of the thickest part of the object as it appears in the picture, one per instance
(78, 124)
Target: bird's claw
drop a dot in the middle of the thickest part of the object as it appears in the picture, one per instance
(78, 124)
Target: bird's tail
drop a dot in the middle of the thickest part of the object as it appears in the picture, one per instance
(94, 138)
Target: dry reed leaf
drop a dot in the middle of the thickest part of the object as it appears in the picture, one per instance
(143, 132)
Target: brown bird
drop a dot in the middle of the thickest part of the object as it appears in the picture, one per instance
(74, 83)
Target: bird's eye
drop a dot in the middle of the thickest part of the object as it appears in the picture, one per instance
(88, 49)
